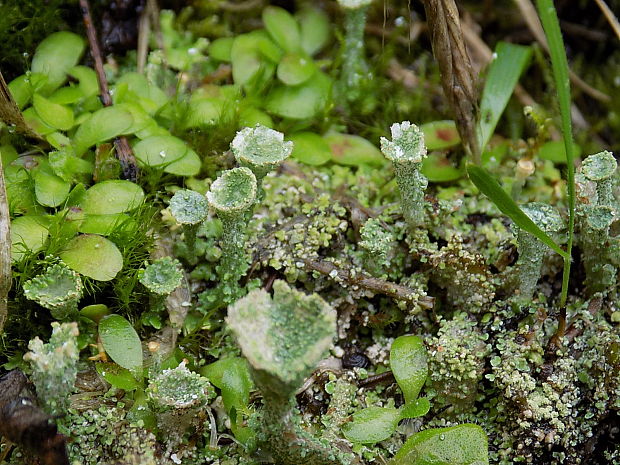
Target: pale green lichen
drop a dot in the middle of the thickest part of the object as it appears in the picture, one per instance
(189, 208)
(283, 338)
(232, 196)
(355, 69)
(595, 244)
(162, 276)
(531, 250)
(105, 436)
(54, 366)
(260, 149)
(406, 151)
(378, 243)
(59, 289)
(457, 358)
(601, 168)
(177, 396)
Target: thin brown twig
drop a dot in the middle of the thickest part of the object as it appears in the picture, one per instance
(10, 114)
(123, 150)
(609, 15)
(367, 282)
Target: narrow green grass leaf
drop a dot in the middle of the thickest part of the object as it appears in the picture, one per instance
(504, 72)
(491, 188)
(559, 64)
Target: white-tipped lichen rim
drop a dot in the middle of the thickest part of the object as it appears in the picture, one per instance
(233, 191)
(407, 144)
(260, 146)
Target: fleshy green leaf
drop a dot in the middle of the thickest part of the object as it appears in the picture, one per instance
(282, 27)
(87, 80)
(491, 188)
(93, 256)
(248, 64)
(158, 151)
(303, 101)
(509, 63)
(310, 148)
(28, 234)
(121, 342)
(315, 29)
(102, 125)
(50, 190)
(353, 150)
(409, 365)
(220, 49)
(465, 444)
(117, 376)
(106, 224)
(437, 168)
(371, 425)
(439, 135)
(53, 114)
(54, 57)
(295, 69)
(418, 408)
(114, 196)
(232, 377)
(188, 165)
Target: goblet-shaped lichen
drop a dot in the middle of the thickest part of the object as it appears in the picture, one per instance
(600, 168)
(54, 366)
(284, 338)
(406, 151)
(59, 289)
(531, 250)
(162, 276)
(232, 196)
(177, 395)
(595, 245)
(189, 208)
(261, 149)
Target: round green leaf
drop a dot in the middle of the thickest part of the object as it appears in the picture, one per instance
(303, 101)
(117, 376)
(104, 124)
(55, 56)
(347, 149)
(247, 60)
(28, 234)
(417, 408)
(295, 69)
(53, 114)
(310, 148)
(95, 312)
(106, 224)
(189, 165)
(282, 27)
(150, 97)
(87, 80)
(232, 376)
(440, 134)
(114, 196)
(465, 444)
(220, 49)
(371, 425)
(121, 342)
(315, 29)
(50, 190)
(251, 116)
(33, 120)
(93, 256)
(437, 168)
(159, 150)
(409, 364)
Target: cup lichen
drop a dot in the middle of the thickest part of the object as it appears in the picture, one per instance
(189, 208)
(406, 151)
(59, 290)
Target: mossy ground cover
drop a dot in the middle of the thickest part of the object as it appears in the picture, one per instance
(303, 271)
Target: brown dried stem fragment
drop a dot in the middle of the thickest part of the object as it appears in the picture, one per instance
(364, 281)
(10, 114)
(5, 251)
(457, 76)
(123, 150)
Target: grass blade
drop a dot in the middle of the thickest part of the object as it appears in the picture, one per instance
(491, 188)
(502, 77)
(559, 64)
